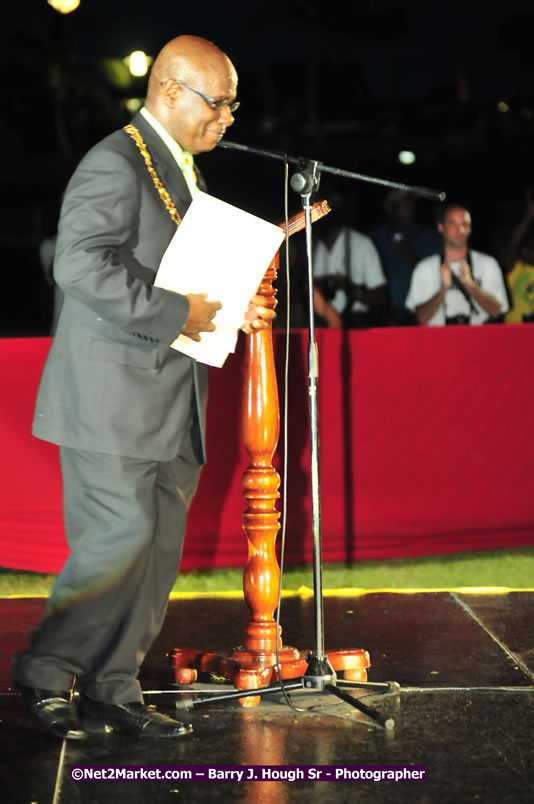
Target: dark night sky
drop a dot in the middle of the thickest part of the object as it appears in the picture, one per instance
(405, 48)
(367, 61)
(349, 84)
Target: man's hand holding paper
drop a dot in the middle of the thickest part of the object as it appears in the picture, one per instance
(201, 315)
(220, 252)
(258, 315)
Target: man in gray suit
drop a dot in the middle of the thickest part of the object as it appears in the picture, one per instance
(126, 409)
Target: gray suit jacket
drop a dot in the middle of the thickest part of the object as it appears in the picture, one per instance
(111, 382)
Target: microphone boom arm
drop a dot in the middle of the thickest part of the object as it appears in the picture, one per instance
(423, 192)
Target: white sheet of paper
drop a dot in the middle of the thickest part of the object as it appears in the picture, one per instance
(223, 251)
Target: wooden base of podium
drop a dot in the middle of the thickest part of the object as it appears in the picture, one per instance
(250, 670)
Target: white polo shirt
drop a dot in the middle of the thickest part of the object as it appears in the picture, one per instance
(426, 282)
(353, 255)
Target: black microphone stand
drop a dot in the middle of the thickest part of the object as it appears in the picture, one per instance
(320, 674)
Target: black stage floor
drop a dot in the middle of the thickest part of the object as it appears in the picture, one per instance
(465, 711)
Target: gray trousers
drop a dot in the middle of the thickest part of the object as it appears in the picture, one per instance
(125, 523)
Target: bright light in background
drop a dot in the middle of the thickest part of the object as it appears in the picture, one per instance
(64, 6)
(138, 63)
(134, 104)
(406, 157)
(502, 106)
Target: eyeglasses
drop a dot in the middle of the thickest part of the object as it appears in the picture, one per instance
(216, 105)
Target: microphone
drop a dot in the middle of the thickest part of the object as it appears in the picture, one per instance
(260, 151)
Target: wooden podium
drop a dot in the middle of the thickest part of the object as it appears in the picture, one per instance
(254, 664)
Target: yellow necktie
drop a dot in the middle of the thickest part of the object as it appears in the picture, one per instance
(188, 169)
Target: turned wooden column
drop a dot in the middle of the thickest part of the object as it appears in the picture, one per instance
(260, 424)
(254, 664)
(260, 413)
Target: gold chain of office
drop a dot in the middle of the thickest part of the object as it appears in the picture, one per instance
(158, 184)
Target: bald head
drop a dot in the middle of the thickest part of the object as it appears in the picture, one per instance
(186, 57)
(205, 69)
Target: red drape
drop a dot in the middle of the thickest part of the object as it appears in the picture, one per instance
(426, 447)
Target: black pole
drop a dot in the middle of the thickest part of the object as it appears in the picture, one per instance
(424, 192)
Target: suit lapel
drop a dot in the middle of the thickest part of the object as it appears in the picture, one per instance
(165, 165)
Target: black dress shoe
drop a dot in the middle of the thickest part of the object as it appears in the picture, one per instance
(129, 718)
(51, 710)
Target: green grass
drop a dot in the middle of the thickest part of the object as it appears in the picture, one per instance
(491, 568)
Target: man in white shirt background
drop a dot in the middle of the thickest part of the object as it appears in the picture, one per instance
(460, 285)
(350, 286)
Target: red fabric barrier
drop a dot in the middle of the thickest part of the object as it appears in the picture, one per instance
(426, 442)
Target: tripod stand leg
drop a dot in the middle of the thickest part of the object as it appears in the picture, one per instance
(188, 703)
(302, 683)
(377, 686)
(378, 717)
